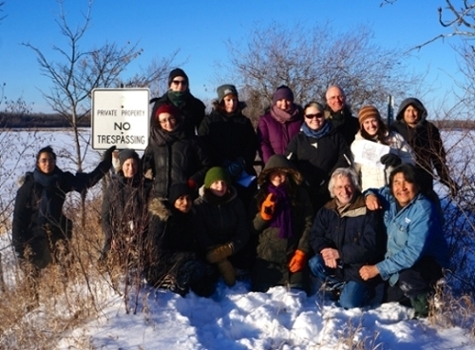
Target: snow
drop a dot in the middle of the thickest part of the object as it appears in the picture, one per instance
(233, 318)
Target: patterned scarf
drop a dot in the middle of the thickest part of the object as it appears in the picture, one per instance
(282, 217)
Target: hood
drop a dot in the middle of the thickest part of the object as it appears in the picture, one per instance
(281, 163)
(416, 103)
(158, 207)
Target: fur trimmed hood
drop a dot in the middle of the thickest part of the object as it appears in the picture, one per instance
(159, 207)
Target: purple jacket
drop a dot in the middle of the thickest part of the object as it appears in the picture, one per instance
(274, 136)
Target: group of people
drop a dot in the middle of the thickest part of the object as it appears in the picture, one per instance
(193, 209)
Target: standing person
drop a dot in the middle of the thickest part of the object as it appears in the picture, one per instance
(231, 140)
(424, 138)
(317, 150)
(222, 224)
(345, 236)
(279, 125)
(124, 211)
(416, 247)
(191, 108)
(175, 260)
(373, 129)
(282, 223)
(172, 154)
(39, 225)
(339, 114)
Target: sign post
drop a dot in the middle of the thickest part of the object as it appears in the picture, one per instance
(120, 117)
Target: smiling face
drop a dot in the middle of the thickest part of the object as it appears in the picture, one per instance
(277, 178)
(403, 190)
(283, 104)
(46, 162)
(335, 99)
(411, 116)
(343, 189)
(183, 203)
(371, 126)
(129, 168)
(167, 121)
(230, 103)
(314, 118)
(219, 188)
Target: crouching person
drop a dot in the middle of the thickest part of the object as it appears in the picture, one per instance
(222, 224)
(416, 249)
(282, 223)
(345, 236)
(175, 262)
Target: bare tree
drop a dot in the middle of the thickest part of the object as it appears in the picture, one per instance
(309, 60)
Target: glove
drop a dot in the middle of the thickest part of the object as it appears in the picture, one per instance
(191, 184)
(219, 253)
(297, 262)
(391, 160)
(236, 168)
(107, 157)
(268, 207)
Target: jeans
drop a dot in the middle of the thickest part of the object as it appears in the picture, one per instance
(353, 294)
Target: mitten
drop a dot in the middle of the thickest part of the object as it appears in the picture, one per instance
(108, 155)
(219, 253)
(390, 160)
(236, 168)
(268, 207)
(226, 270)
(297, 262)
(191, 184)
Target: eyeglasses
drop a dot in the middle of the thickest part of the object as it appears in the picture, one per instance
(312, 116)
(169, 120)
(46, 160)
(178, 82)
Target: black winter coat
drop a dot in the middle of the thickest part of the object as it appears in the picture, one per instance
(174, 157)
(344, 122)
(124, 211)
(229, 136)
(34, 230)
(193, 111)
(357, 234)
(221, 222)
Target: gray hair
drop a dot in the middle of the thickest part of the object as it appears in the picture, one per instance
(346, 172)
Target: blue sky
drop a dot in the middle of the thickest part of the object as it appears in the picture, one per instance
(199, 30)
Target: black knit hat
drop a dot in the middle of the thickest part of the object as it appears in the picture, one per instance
(177, 72)
(225, 90)
(177, 190)
(127, 154)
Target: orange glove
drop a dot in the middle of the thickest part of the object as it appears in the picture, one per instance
(297, 262)
(268, 207)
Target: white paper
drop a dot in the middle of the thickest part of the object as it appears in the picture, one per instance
(370, 153)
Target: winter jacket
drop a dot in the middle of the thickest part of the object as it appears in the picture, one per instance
(228, 137)
(124, 212)
(426, 142)
(274, 253)
(413, 232)
(344, 122)
(193, 111)
(316, 159)
(39, 232)
(273, 136)
(357, 234)
(372, 176)
(175, 157)
(221, 222)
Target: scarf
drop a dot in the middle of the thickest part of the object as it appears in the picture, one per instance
(283, 116)
(282, 217)
(316, 134)
(49, 183)
(178, 98)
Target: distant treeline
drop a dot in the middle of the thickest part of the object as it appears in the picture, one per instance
(39, 120)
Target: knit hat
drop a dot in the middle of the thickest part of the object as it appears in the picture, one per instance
(177, 190)
(127, 154)
(215, 174)
(367, 112)
(167, 108)
(225, 90)
(282, 92)
(177, 72)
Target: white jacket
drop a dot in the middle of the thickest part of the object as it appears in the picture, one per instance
(374, 176)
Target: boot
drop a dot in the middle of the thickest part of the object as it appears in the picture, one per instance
(420, 305)
(226, 270)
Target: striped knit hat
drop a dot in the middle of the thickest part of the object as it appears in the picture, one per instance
(367, 112)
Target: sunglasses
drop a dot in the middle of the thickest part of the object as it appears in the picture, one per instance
(178, 82)
(312, 116)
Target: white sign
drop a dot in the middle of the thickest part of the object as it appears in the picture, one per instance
(120, 117)
(369, 153)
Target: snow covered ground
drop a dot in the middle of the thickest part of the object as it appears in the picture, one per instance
(234, 318)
